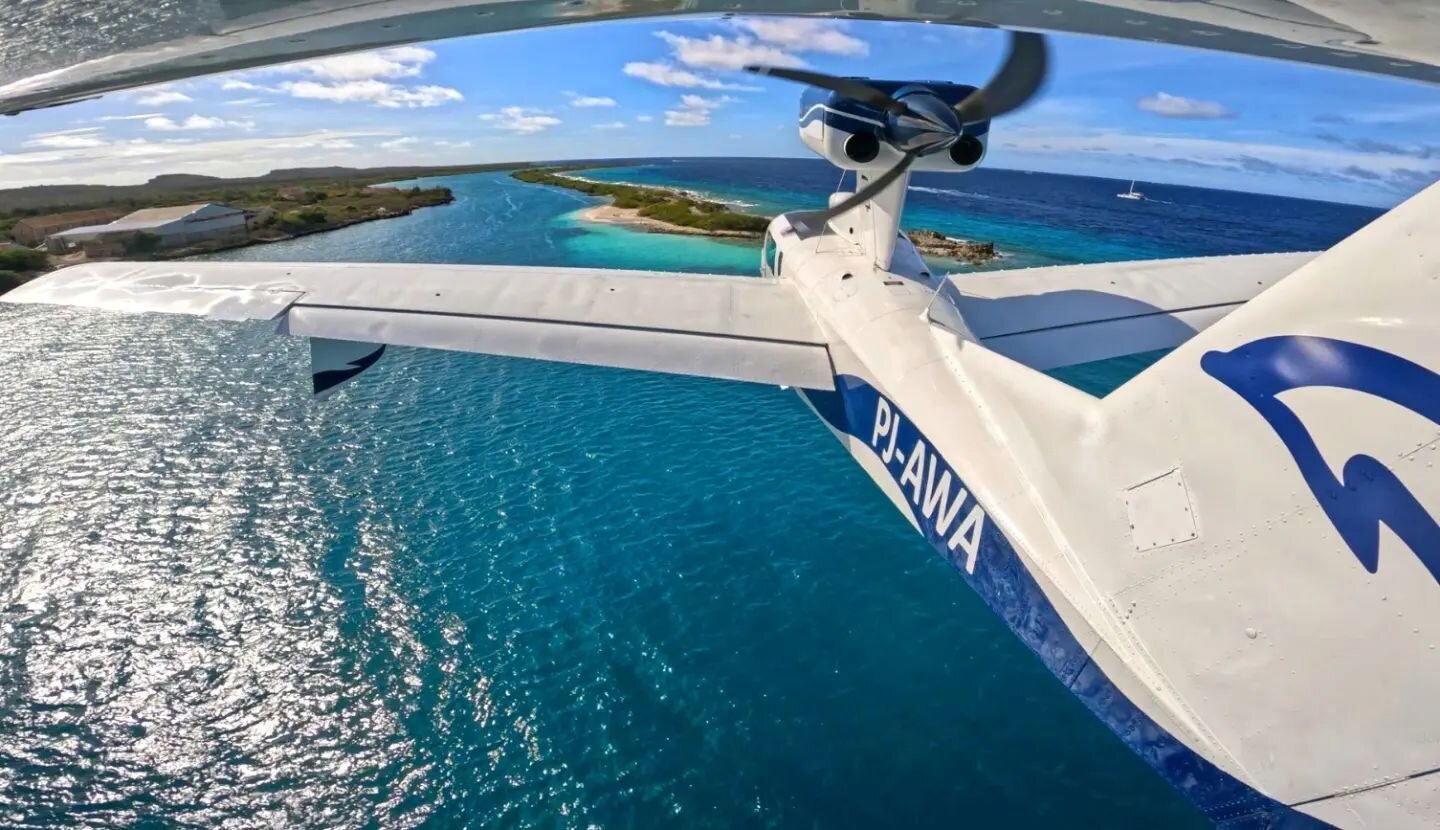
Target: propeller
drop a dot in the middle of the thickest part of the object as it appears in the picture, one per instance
(919, 123)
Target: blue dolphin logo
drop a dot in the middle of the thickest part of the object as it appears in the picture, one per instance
(1368, 492)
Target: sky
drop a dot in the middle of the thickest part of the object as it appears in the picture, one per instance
(674, 87)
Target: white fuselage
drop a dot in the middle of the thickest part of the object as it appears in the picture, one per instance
(925, 412)
(890, 330)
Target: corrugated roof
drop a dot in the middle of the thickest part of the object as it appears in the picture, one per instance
(118, 226)
(160, 215)
(140, 220)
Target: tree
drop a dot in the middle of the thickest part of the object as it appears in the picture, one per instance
(302, 219)
(23, 259)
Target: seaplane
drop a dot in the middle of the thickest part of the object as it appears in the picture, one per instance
(1232, 560)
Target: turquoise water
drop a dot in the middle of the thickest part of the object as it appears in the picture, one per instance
(496, 219)
(471, 591)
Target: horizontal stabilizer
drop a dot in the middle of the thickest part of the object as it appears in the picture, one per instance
(1068, 314)
(734, 328)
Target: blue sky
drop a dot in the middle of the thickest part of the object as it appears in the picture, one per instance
(672, 88)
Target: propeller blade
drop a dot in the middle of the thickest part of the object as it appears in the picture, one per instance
(870, 190)
(1018, 80)
(862, 92)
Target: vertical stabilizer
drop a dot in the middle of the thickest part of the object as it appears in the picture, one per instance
(874, 225)
(1257, 513)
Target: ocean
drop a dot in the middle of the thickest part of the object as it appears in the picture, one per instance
(478, 592)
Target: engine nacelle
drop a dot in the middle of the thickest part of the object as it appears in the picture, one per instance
(853, 136)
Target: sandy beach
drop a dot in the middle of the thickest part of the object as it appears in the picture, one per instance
(611, 215)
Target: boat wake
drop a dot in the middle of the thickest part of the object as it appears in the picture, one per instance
(942, 191)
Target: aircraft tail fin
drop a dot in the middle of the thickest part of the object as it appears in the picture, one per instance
(1257, 511)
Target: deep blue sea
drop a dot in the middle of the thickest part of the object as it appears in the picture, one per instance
(479, 592)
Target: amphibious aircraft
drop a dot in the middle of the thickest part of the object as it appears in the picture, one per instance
(1232, 559)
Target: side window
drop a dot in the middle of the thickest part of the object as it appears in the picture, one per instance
(779, 262)
(770, 256)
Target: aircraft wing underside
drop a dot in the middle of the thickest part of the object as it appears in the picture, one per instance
(50, 54)
(1068, 314)
(733, 328)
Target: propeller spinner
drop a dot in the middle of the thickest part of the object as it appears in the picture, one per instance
(918, 123)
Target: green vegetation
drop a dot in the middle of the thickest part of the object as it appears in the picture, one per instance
(9, 280)
(656, 203)
(324, 207)
(23, 259)
(178, 189)
(303, 219)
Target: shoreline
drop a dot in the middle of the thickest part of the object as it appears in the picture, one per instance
(609, 214)
(300, 220)
(186, 253)
(643, 198)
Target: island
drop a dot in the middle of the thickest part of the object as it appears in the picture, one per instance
(234, 217)
(669, 210)
(279, 205)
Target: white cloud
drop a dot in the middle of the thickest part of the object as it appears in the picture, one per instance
(135, 160)
(695, 110)
(247, 102)
(453, 145)
(804, 35)
(1389, 171)
(766, 41)
(716, 52)
(163, 97)
(399, 62)
(376, 93)
(522, 120)
(139, 116)
(364, 78)
(686, 118)
(666, 74)
(195, 122)
(337, 144)
(399, 143)
(611, 125)
(700, 102)
(67, 139)
(75, 131)
(1175, 106)
(644, 119)
(589, 100)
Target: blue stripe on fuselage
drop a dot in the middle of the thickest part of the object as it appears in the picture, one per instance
(995, 572)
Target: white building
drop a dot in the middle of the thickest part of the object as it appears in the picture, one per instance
(180, 226)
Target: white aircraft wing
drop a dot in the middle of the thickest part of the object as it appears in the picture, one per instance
(735, 328)
(49, 55)
(1068, 314)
